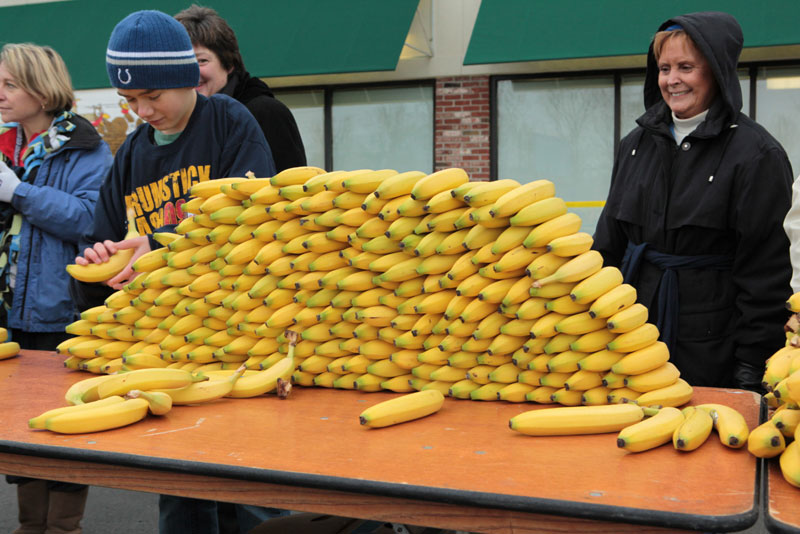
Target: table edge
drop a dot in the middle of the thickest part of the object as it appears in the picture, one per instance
(535, 505)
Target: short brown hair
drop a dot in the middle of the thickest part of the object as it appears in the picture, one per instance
(40, 71)
(206, 28)
(661, 38)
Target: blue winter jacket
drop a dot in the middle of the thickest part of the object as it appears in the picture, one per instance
(57, 208)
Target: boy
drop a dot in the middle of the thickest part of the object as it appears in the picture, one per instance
(186, 138)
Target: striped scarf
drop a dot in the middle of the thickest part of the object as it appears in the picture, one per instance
(50, 140)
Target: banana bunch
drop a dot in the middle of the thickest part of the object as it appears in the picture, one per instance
(776, 437)
(394, 281)
(8, 349)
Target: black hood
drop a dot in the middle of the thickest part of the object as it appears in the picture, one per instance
(718, 37)
(243, 87)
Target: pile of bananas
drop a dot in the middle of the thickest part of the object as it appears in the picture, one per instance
(778, 435)
(400, 282)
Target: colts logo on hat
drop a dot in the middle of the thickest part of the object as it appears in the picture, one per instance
(119, 75)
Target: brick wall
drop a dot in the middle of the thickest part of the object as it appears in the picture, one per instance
(461, 134)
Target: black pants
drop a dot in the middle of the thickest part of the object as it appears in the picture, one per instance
(38, 340)
(41, 341)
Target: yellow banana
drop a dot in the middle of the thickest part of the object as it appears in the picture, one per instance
(518, 198)
(596, 285)
(600, 361)
(402, 409)
(540, 212)
(638, 338)
(793, 303)
(397, 185)
(651, 432)
(100, 272)
(729, 424)
(574, 270)
(425, 188)
(579, 323)
(640, 361)
(144, 379)
(570, 245)
(660, 377)
(693, 431)
(675, 394)
(489, 192)
(628, 319)
(790, 463)
(576, 420)
(98, 418)
(8, 349)
(295, 176)
(38, 422)
(765, 440)
(614, 301)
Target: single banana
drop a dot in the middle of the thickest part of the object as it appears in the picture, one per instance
(517, 198)
(651, 432)
(571, 245)
(729, 424)
(628, 319)
(790, 463)
(402, 409)
(575, 270)
(657, 378)
(99, 418)
(576, 420)
(8, 349)
(766, 441)
(640, 361)
(793, 303)
(636, 339)
(144, 379)
(267, 380)
(425, 188)
(676, 394)
(693, 431)
(38, 422)
(100, 272)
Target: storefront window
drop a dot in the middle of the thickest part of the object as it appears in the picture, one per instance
(778, 108)
(383, 128)
(308, 108)
(562, 130)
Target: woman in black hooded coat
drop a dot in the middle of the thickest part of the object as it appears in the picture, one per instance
(695, 210)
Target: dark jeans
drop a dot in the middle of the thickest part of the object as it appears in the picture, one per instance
(198, 516)
(38, 340)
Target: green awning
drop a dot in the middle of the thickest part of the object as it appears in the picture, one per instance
(536, 30)
(276, 37)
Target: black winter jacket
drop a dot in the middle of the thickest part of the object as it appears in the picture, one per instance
(724, 191)
(274, 118)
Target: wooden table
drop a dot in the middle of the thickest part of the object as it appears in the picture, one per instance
(781, 501)
(460, 469)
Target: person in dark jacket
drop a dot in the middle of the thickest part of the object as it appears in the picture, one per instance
(222, 71)
(695, 209)
(52, 163)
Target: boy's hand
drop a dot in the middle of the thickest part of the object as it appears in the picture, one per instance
(101, 252)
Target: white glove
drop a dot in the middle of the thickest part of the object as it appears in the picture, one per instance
(8, 183)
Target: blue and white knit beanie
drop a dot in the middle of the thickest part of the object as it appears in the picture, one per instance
(151, 50)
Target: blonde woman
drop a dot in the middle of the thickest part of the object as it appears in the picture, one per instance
(52, 163)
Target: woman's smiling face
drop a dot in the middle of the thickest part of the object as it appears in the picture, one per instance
(685, 78)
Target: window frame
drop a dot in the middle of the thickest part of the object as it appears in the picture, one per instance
(327, 114)
(751, 67)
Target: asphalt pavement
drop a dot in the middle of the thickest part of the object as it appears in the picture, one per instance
(108, 511)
